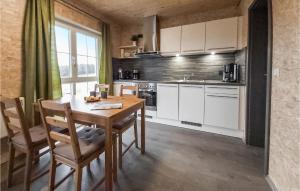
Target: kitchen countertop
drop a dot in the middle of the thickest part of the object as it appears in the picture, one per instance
(192, 82)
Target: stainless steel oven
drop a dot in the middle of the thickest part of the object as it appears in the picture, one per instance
(148, 92)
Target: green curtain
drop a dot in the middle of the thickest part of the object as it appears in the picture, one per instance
(105, 69)
(42, 78)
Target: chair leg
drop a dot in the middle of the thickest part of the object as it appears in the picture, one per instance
(36, 157)
(28, 166)
(52, 174)
(115, 159)
(120, 150)
(136, 135)
(11, 161)
(78, 177)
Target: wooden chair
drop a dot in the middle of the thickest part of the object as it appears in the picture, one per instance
(99, 87)
(75, 150)
(122, 126)
(22, 138)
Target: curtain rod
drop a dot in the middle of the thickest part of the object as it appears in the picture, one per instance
(74, 7)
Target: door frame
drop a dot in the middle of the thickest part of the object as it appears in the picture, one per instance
(268, 81)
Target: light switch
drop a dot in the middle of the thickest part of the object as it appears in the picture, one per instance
(276, 72)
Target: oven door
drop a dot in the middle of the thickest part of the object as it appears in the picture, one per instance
(150, 99)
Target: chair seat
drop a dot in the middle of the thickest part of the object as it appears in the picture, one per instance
(37, 134)
(90, 140)
(124, 123)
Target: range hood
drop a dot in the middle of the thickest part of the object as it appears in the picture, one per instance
(150, 37)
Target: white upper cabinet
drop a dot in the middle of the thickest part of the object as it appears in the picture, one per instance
(170, 40)
(222, 35)
(193, 38)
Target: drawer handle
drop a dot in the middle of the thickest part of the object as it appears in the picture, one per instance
(222, 96)
(167, 85)
(222, 88)
(191, 86)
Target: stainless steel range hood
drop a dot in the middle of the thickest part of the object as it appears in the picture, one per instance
(150, 31)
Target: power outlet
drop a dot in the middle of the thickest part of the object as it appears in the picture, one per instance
(276, 72)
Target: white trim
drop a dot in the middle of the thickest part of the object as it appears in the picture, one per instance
(204, 128)
(271, 183)
(73, 30)
(63, 20)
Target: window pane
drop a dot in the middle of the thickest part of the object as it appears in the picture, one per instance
(81, 44)
(91, 67)
(66, 89)
(91, 44)
(91, 86)
(82, 66)
(82, 89)
(62, 39)
(64, 64)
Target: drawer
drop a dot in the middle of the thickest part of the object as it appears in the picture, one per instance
(221, 111)
(222, 89)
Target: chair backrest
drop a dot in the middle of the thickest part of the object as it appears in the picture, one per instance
(14, 119)
(132, 89)
(59, 115)
(100, 87)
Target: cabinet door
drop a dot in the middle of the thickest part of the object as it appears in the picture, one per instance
(170, 40)
(167, 101)
(221, 35)
(193, 38)
(221, 110)
(191, 103)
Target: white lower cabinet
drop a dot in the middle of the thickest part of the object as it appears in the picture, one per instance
(221, 110)
(167, 101)
(191, 103)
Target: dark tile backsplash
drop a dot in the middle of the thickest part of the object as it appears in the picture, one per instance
(173, 68)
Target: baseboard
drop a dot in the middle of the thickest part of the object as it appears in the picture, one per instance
(271, 183)
(204, 128)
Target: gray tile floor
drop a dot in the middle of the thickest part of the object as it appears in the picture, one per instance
(176, 159)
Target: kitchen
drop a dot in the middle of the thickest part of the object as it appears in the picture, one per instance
(213, 104)
(199, 70)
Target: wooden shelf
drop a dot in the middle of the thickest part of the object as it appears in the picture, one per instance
(129, 58)
(128, 47)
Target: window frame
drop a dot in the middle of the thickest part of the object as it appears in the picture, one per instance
(73, 30)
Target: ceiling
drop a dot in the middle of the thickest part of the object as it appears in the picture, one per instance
(132, 11)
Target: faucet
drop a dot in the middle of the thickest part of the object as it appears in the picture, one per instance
(187, 76)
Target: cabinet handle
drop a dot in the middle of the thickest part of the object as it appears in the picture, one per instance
(221, 96)
(229, 88)
(166, 85)
(221, 48)
(191, 86)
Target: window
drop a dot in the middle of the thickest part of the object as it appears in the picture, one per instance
(78, 60)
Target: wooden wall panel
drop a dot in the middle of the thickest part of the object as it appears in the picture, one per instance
(11, 26)
(177, 20)
(284, 161)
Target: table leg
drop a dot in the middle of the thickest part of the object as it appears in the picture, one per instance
(108, 156)
(143, 129)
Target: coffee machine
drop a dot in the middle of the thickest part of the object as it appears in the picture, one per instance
(135, 74)
(231, 73)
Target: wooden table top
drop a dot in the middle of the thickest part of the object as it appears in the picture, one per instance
(79, 105)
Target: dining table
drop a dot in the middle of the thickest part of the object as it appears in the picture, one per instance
(87, 112)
